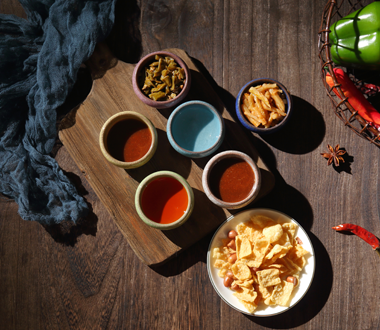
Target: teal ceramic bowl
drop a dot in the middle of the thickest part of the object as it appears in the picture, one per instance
(195, 129)
(158, 194)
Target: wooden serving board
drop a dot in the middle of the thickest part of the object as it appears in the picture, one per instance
(116, 187)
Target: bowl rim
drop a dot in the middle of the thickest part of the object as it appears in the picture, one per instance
(143, 62)
(259, 210)
(246, 123)
(231, 154)
(176, 112)
(114, 119)
(160, 174)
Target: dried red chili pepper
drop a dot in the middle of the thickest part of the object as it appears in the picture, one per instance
(370, 89)
(354, 97)
(364, 234)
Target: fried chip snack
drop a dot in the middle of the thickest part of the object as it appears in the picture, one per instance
(263, 106)
(241, 271)
(268, 277)
(243, 247)
(269, 259)
(273, 233)
(246, 295)
(260, 248)
(281, 293)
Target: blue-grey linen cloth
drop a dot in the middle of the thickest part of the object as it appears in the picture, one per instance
(39, 61)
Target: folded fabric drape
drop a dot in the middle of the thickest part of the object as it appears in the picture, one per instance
(39, 61)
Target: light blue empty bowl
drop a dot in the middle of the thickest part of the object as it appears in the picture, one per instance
(195, 129)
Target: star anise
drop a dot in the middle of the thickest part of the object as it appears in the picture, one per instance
(334, 155)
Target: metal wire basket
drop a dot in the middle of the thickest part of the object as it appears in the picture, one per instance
(333, 11)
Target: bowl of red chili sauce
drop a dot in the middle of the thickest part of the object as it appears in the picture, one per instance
(231, 179)
(164, 200)
(128, 139)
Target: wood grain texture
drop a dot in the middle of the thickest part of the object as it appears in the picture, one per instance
(116, 187)
(89, 277)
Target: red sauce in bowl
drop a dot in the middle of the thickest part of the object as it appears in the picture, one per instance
(164, 200)
(231, 180)
(129, 140)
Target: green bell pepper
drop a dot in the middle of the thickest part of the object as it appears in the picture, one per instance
(355, 39)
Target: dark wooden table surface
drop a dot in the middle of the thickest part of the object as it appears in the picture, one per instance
(88, 277)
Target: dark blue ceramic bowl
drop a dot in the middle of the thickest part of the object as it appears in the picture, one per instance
(244, 120)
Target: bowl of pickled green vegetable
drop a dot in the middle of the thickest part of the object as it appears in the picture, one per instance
(161, 80)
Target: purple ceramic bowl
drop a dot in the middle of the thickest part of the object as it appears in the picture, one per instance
(144, 62)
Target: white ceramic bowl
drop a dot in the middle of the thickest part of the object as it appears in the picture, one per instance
(306, 276)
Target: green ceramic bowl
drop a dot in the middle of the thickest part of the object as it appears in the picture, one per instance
(110, 123)
(159, 180)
